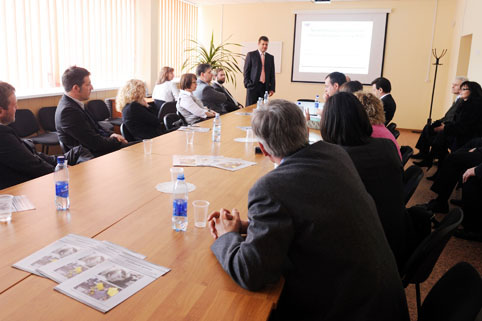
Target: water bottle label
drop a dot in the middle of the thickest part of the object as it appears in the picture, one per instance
(179, 207)
(317, 104)
(62, 189)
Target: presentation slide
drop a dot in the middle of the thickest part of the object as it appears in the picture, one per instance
(328, 46)
(352, 43)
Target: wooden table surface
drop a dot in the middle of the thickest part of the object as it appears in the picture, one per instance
(114, 198)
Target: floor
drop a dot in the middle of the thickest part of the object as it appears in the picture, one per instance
(457, 250)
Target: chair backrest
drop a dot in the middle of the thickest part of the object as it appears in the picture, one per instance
(126, 133)
(421, 262)
(411, 178)
(172, 121)
(167, 108)
(457, 296)
(406, 152)
(159, 103)
(108, 102)
(98, 110)
(46, 118)
(396, 133)
(25, 123)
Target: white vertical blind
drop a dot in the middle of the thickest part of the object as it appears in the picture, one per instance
(39, 39)
(178, 24)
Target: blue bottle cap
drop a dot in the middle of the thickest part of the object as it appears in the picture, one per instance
(60, 159)
(180, 177)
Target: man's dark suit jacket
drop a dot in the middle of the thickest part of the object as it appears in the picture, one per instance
(210, 98)
(229, 105)
(75, 127)
(380, 169)
(389, 106)
(467, 122)
(313, 216)
(18, 161)
(141, 122)
(252, 72)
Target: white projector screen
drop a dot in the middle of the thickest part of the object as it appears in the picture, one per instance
(352, 43)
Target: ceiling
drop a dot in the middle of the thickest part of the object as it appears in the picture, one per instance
(216, 2)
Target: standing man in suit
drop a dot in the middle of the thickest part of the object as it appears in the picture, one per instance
(210, 98)
(382, 88)
(428, 133)
(19, 161)
(231, 103)
(315, 236)
(74, 125)
(259, 72)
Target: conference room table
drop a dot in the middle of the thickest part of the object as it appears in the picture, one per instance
(114, 198)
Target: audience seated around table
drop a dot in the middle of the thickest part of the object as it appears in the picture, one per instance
(74, 125)
(381, 88)
(139, 118)
(19, 161)
(188, 106)
(165, 90)
(312, 221)
(345, 122)
(374, 109)
(466, 125)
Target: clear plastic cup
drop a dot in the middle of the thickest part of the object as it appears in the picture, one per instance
(189, 137)
(200, 213)
(147, 146)
(6, 202)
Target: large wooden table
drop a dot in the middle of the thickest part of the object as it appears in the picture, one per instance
(114, 198)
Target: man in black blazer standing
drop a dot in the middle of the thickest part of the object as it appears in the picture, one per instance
(231, 104)
(312, 221)
(74, 125)
(382, 88)
(259, 72)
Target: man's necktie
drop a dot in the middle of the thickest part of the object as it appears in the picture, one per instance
(262, 78)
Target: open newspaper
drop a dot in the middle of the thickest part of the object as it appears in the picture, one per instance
(111, 282)
(230, 164)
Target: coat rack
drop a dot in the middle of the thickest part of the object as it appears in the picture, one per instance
(437, 63)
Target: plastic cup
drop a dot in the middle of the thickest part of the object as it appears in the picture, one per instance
(6, 202)
(189, 137)
(200, 213)
(174, 172)
(249, 135)
(147, 146)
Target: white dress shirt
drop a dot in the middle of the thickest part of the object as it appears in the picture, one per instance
(190, 107)
(167, 91)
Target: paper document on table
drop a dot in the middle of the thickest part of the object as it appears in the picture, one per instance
(111, 282)
(194, 129)
(231, 164)
(22, 203)
(55, 251)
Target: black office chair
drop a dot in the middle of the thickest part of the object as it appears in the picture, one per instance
(159, 103)
(126, 133)
(457, 296)
(26, 125)
(411, 178)
(421, 262)
(172, 121)
(167, 108)
(99, 111)
(46, 118)
(406, 152)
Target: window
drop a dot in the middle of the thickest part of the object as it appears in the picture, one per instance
(178, 24)
(40, 39)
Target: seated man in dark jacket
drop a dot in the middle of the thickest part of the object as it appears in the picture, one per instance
(19, 161)
(210, 98)
(74, 125)
(231, 104)
(311, 220)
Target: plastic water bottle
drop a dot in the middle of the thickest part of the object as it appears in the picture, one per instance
(260, 102)
(217, 128)
(317, 101)
(61, 176)
(179, 205)
(266, 95)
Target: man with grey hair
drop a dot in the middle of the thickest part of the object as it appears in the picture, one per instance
(312, 221)
(428, 133)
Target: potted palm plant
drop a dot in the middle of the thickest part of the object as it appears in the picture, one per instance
(217, 56)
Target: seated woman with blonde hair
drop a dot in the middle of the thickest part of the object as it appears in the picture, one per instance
(141, 121)
(188, 106)
(374, 108)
